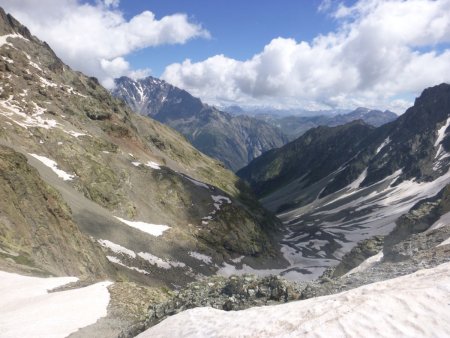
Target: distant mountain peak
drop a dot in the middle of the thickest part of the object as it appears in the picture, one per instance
(362, 110)
(234, 140)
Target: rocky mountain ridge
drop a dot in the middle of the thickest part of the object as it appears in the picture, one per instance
(234, 140)
(136, 187)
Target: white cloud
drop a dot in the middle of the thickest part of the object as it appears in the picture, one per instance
(382, 50)
(96, 38)
(115, 67)
(111, 3)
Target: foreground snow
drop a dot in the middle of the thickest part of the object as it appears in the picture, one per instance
(28, 310)
(415, 305)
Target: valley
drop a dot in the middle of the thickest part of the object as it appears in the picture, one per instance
(385, 173)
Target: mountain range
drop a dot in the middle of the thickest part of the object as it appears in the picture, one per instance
(296, 125)
(111, 222)
(234, 140)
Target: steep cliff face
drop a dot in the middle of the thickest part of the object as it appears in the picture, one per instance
(37, 232)
(234, 140)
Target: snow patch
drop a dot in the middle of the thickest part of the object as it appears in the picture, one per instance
(7, 59)
(116, 248)
(238, 260)
(16, 115)
(72, 91)
(34, 65)
(153, 165)
(441, 155)
(4, 38)
(201, 257)
(150, 164)
(367, 264)
(352, 188)
(382, 145)
(356, 183)
(117, 261)
(74, 133)
(46, 83)
(152, 229)
(219, 200)
(159, 262)
(28, 310)
(441, 133)
(54, 166)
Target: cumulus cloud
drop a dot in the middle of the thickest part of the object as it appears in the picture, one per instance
(382, 54)
(96, 38)
(112, 3)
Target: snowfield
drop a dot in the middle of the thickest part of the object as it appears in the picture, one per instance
(28, 310)
(415, 305)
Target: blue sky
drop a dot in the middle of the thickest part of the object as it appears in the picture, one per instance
(378, 54)
(239, 29)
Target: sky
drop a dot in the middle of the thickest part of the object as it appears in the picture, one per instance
(285, 54)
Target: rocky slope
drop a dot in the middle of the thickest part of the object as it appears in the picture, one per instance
(313, 156)
(37, 232)
(139, 189)
(234, 140)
